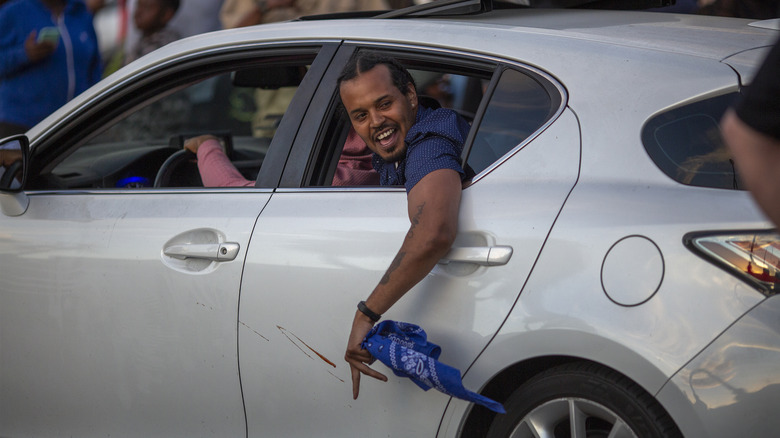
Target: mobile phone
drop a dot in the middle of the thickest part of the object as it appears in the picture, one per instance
(51, 34)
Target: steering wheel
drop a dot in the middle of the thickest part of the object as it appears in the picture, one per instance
(179, 170)
(10, 172)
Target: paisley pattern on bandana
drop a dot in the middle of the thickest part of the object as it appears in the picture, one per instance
(405, 349)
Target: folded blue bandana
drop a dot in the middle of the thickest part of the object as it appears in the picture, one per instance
(405, 349)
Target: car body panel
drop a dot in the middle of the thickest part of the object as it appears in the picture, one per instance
(740, 364)
(564, 312)
(328, 249)
(100, 328)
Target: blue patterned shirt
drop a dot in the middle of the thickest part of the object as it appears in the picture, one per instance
(434, 142)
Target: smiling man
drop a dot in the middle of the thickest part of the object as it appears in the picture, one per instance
(415, 146)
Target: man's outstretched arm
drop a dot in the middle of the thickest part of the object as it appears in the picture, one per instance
(433, 205)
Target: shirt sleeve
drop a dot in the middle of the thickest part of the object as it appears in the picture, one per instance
(431, 153)
(436, 143)
(759, 108)
(215, 167)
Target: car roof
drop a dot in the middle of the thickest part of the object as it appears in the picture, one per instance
(551, 39)
(699, 35)
(687, 34)
(531, 36)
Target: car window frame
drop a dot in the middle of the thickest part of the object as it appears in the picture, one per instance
(306, 150)
(78, 127)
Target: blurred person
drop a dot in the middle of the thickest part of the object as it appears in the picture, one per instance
(151, 17)
(754, 9)
(679, 7)
(271, 104)
(95, 5)
(192, 18)
(751, 130)
(240, 13)
(48, 55)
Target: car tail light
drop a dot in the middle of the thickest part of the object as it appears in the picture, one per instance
(752, 256)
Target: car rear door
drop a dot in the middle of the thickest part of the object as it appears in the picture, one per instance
(318, 250)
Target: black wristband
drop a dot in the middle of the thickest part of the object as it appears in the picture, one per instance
(373, 316)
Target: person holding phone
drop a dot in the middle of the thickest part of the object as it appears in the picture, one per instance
(48, 55)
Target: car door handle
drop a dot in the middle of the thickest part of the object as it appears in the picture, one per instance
(218, 252)
(480, 255)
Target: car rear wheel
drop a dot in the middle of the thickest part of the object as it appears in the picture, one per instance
(582, 400)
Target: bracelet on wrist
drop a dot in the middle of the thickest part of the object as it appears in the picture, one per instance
(373, 316)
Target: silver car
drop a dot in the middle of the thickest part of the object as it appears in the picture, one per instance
(609, 278)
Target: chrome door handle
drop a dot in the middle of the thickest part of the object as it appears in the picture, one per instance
(218, 252)
(480, 255)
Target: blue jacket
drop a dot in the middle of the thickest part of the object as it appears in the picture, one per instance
(31, 91)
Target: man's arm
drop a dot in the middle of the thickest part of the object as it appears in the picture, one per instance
(433, 205)
(757, 156)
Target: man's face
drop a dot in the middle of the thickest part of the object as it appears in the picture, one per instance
(379, 112)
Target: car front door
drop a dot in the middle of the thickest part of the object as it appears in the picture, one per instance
(318, 250)
(119, 295)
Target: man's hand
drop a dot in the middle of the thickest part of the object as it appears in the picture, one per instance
(356, 356)
(433, 212)
(38, 51)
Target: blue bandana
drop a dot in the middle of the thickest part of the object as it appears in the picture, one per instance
(404, 348)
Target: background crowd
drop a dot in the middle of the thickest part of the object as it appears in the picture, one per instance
(52, 50)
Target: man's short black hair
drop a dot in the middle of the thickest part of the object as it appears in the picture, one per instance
(364, 60)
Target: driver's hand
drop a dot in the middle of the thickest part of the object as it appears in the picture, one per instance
(192, 144)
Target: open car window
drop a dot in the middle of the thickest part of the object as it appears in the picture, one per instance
(457, 86)
(142, 147)
(505, 106)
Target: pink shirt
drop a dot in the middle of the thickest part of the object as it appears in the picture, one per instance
(354, 166)
(215, 167)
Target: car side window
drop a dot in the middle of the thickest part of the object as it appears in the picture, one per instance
(686, 144)
(242, 107)
(460, 89)
(518, 106)
(504, 105)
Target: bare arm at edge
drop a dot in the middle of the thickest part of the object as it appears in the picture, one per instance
(757, 158)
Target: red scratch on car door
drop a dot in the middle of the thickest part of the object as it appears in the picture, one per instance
(285, 333)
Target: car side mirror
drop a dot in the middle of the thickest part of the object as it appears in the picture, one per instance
(14, 157)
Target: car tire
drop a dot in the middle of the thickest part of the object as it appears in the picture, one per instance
(603, 402)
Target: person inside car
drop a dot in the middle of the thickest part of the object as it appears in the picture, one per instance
(216, 170)
(413, 146)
